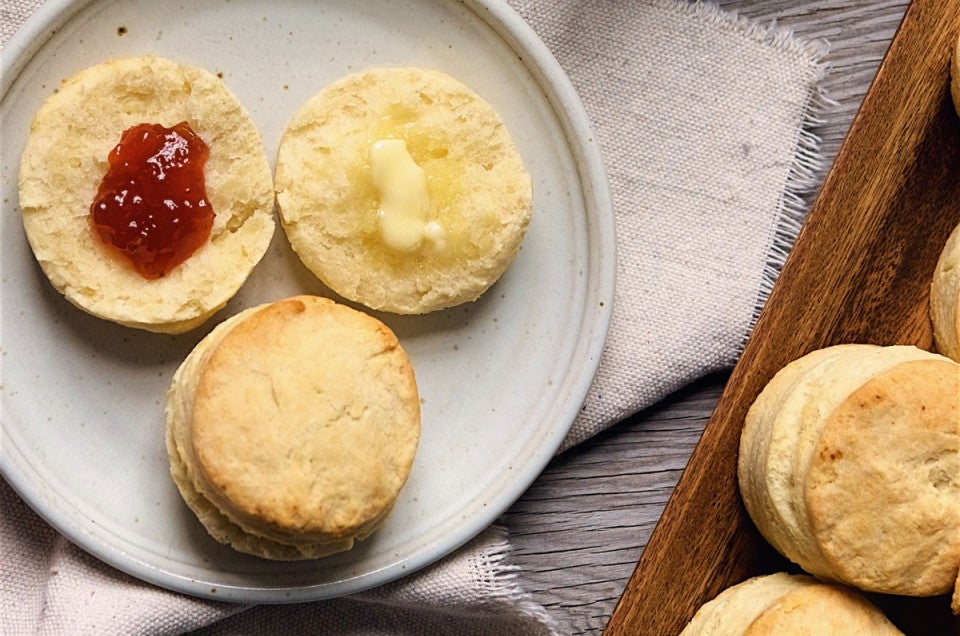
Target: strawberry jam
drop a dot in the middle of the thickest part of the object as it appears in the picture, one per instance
(152, 203)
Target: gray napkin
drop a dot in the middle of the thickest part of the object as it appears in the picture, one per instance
(704, 122)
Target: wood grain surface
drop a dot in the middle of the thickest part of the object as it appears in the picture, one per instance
(859, 272)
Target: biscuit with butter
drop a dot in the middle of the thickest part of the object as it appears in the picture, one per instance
(781, 603)
(401, 189)
(66, 158)
(849, 465)
(292, 427)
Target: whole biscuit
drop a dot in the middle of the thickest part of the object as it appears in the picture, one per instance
(781, 603)
(292, 428)
(775, 483)
(818, 608)
(65, 159)
(479, 189)
(849, 467)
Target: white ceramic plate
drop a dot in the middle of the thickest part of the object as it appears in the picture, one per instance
(501, 379)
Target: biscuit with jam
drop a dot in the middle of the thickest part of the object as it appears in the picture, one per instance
(67, 157)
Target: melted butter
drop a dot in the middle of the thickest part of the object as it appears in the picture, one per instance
(401, 185)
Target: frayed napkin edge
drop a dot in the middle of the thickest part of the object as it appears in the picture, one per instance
(504, 582)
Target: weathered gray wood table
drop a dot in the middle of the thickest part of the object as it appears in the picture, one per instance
(579, 530)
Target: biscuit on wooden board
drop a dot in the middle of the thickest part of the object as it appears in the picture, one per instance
(476, 192)
(292, 427)
(65, 159)
(851, 467)
(955, 599)
(945, 297)
(781, 603)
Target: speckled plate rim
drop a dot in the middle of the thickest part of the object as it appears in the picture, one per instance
(562, 96)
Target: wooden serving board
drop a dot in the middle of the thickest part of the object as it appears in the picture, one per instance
(860, 271)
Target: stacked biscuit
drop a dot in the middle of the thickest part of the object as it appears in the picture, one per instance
(780, 603)
(945, 287)
(850, 466)
(292, 428)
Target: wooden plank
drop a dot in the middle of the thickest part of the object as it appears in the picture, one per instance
(860, 272)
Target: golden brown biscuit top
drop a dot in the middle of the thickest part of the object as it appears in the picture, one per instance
(306, 419)
(883, 494)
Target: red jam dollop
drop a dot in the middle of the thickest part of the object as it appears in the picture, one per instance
(152, 203)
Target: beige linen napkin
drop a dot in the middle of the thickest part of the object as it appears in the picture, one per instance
(704, 121)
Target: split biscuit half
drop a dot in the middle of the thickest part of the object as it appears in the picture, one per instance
(431, 224)
(65, 159)
(781, 603)
(292, 428)
(849, 466)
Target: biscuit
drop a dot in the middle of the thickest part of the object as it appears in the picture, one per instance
(292, 427)
(849, 466)
(945, 298)
(781, 603)
(462, 172)
(955, 599)
(65, 159)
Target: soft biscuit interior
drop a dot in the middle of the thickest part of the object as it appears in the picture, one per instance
(767, 436)
(65, 159)
(479, 192)
(292, 428)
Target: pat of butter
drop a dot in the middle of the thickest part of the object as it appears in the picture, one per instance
(404, 199)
